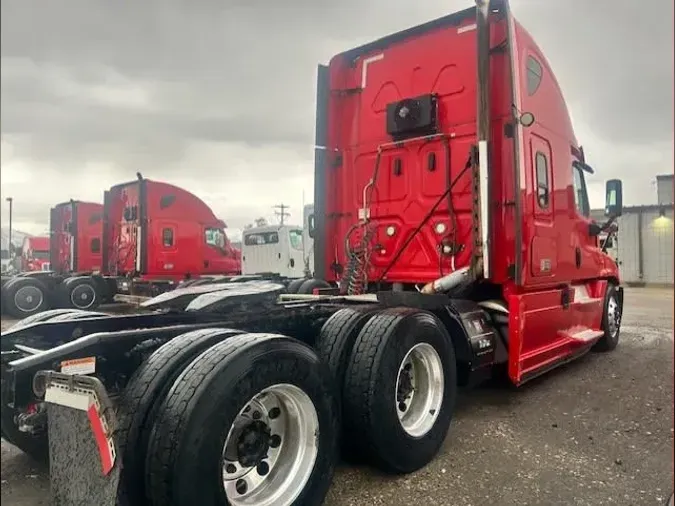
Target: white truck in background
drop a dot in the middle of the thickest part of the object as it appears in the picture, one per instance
(276, 249)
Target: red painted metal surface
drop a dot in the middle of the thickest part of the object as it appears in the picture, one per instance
(160, 231)
(76, 229)
(34, 253)
(554, 245)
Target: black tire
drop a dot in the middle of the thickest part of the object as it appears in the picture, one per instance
(79, 293)
(336, 340)
(609, 340)
(308, 286)
(295, 285)
(25, 296)
(184, 456)
(369, 399)
(142, 397)
(41, 317)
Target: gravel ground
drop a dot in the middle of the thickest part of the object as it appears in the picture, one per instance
(598, 431)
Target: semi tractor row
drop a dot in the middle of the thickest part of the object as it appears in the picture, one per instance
(451, 222)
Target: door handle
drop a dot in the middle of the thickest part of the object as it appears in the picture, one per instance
(577, 256)
(206, 263)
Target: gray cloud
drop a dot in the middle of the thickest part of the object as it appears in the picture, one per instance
(220, 94)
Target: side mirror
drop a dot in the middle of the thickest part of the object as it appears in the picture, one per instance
(311, 225)
(613, 198)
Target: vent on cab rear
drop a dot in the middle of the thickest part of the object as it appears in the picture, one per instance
(412, 117)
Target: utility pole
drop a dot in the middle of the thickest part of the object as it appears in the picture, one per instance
(10, 248)
(280, 212)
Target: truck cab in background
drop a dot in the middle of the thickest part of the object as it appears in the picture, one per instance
(157, 234)
(35, 254)
(75, 237)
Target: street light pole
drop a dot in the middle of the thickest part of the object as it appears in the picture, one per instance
(10, 248)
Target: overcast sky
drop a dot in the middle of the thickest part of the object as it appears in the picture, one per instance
(219, 96)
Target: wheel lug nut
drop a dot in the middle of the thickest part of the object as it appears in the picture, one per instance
(231, 468)
(275, 441)
(263, 468)
(402, 406)
(257, 415)
(241, 487)
(274, 413)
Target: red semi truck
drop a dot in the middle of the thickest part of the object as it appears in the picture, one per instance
(451, 223)
(157, 234)
(71, 258)
(35, 254)
(76, 231)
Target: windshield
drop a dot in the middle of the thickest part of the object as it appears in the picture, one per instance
(5, 254)
(215, 237)
(261, 238)
(41, 255)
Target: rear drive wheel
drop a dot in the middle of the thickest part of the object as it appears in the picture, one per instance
(295, 285)
(400, 389)
(309, 285)
(611, 321)
(79, 293)
(336, 339)
(25, 296)
(251, 421)
(142, 397)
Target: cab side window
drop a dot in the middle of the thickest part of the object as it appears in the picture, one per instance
(580, 193)
(534, 75)
(543, 191)
(167, 237)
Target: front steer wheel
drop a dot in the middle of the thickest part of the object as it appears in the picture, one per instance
(400, 389)
(252, 420)
(611, 321)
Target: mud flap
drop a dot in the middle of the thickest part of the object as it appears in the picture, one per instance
(84, 468)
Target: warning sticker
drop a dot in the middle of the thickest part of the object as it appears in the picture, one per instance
(85, 365)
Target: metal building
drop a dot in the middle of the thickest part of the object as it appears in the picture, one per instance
(644, 242)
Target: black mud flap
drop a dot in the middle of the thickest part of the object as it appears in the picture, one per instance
(83, 463)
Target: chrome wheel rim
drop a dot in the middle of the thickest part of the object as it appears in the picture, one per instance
(271, 448)
(28, 298)
(419, 390)
(83, 297)
(613, 316)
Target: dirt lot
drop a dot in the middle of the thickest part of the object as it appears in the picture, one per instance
(599, 431)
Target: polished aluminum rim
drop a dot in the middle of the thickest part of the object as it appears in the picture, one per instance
(28, 298)
(613, 316)
(419, 390)
(83, 296)
(271, 448)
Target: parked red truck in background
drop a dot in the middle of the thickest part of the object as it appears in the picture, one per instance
(76, 228)
(35, 254)
(158, 234)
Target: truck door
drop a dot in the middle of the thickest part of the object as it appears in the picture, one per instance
(543, 249)
(296, 258)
